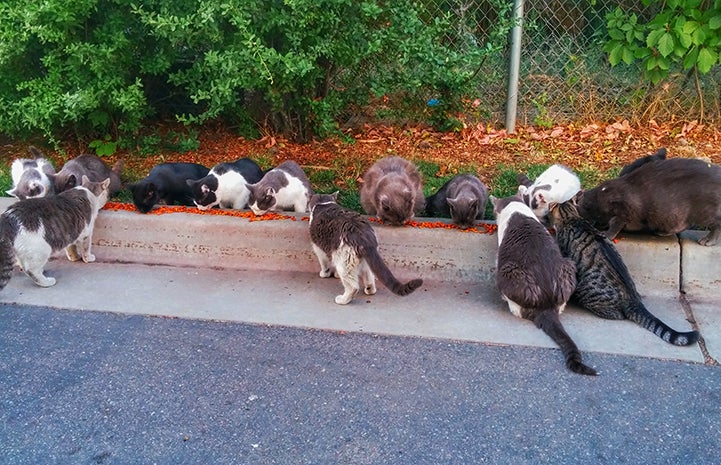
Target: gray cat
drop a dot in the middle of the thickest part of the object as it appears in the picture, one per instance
(463, 198)
(392, 189)
(87, 165)
(31, 176)
(32, 229)
(659, 155)
(604, 285)
(285, 187)
(346, 245)
(663, 197)
(532, 275)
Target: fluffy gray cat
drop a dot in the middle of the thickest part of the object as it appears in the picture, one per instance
(32, 229)
(463, 198)
(392, 189)
(32, 176)
(346, 245)
(87, 165)
(532, 275)
(604, 285)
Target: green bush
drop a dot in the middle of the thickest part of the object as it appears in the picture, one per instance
(104, 67)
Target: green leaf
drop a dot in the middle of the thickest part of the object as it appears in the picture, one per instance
(706, 59)
(666, 44)
(616, 54)
(715, 22)
(689, 61)
(653, 37)
(628, 55)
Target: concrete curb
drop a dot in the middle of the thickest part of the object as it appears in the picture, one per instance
(456, 265)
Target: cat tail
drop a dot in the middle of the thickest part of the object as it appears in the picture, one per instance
(638, 313)
(549, 322)
(384, 275)
(7, 261)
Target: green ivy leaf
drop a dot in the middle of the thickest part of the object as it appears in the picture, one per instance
(706, 59)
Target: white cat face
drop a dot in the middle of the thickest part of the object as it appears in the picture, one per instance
(557, 184)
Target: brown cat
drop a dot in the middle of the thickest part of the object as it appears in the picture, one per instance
(392, 189)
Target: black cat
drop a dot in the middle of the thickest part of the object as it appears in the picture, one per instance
(166, 183)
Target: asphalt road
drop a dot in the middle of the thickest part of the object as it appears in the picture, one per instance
(99, 388)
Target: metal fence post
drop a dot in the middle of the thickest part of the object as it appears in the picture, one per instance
(514, 67)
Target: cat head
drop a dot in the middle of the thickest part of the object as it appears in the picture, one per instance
(397, 207)
(145, 195)
(464, 211)
(261, 199)
(63, 181)
(204, 192)
(31, 185)
(561, 213)
(320, 199)
(598, 205)
(101, 189)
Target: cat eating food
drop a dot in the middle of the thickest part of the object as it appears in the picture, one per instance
(166, 183)
(285, 187)
(87, 165)
(32, 176)
(32, 229)
(532, 275)
(604, 285)
(346, 245)
(663, 197)
(392, 189)
(463, 198)
(226, 185)
(555, 185)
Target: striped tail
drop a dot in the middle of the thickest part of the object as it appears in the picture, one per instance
(384, 275)
(548, 321)
(638, 313)
(7, 261)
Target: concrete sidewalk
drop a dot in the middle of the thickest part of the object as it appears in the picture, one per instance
(231, 269)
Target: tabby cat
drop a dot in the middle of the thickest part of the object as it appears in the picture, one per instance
(532, 275)
(604, 285)
(32, 229)
(346, 245)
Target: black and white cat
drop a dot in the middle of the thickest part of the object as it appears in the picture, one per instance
(555, 185)
(32, 229)
(392, 189)
(166, 183)
(604, 285)
(32, 176)
(87, 165)
(463, 198)
(532, 275)
(285, 187)
(226, 185)
(346, 245)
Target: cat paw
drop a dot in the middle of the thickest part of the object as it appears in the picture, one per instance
(327, 273)
(47, 282)
(370, 290)
(72, 252)
(342, 299)
(708, 241)
(89, 258)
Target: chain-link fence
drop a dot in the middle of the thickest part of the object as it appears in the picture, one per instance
(565, 75)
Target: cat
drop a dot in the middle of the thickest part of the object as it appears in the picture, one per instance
(603, 283)
(166, 183)
(31, 176)
(392, 189)
(285, 187)
(87, 165)
(226, 185)
(557, 184)
(463, 198)
(659, 155)
(32, 229)
(664, 197)
(346, 245)
(532, 275)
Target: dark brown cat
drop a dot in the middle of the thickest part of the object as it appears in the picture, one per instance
(346, 245)
(392, 189)
(533, 277)
(604, 285)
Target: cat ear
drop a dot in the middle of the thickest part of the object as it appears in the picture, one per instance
(71, 182)
(204, 188)
(84, 180)
(540, 197)
(335, 195)
(576, 199)
(384, 202)
(190, 182)
(106, 184)
(270, 191)
(12, 192)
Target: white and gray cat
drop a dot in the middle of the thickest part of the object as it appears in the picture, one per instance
(555, 185)
(463, 198)
(285, 187)
(226, 185)
(392, 189)
(604, 285)
(32, 229)
(32, 176)
(532, 275)
(346, 245)
(91, 166)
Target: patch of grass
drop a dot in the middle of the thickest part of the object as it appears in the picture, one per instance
(6, 182)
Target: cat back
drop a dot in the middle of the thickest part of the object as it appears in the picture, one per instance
(285, 187)
(226, 185)
(166, 183)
